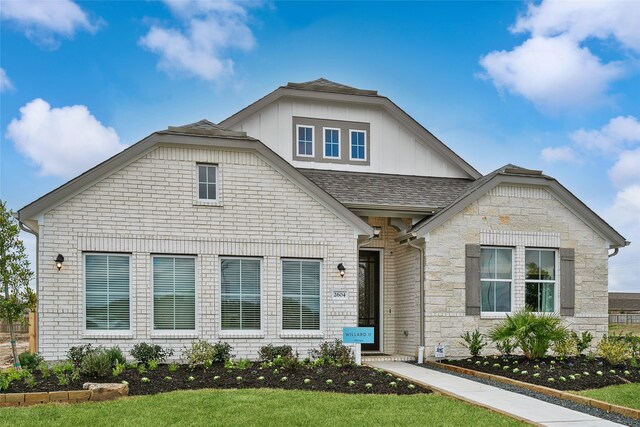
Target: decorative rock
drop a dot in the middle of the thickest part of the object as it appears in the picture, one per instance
(107, 391)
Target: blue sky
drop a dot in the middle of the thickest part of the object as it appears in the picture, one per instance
(548, 85)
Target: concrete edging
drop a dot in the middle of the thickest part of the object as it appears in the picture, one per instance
(608, 407)
(95, 392)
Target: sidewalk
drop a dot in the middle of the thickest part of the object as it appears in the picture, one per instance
(523, 407)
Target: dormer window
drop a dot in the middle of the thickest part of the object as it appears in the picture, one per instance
(358, 146)
(331, 143)
(305, 141)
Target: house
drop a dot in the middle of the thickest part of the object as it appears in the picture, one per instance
(624, 302)
(317, 207)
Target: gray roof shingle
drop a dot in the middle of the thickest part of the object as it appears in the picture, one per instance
(358, 188)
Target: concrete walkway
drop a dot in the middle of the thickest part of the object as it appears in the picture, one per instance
(523, 407)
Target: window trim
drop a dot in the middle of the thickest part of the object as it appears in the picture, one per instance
(294, 333)
(488, 314)
(324, 143)
(237, 332)
(351, 132)
(104, 332)
(197, 183)
(313, 140)
(176, 332)
(555, 282)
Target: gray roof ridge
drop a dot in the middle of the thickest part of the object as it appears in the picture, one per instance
(325, 85)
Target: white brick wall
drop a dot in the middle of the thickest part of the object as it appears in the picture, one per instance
(518, 217)
(148, 208)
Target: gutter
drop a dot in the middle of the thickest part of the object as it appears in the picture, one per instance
(26, 229)
(421, 292)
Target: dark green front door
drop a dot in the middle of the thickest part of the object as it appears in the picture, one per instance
(369, 295)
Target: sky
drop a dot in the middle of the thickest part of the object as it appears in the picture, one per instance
(550, 85)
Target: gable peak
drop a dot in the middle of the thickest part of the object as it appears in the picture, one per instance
(325, 85)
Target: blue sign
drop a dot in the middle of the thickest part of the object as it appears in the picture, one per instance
(358, 335)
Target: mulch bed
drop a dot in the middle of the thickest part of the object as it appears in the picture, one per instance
(238, 378)
(574, 373)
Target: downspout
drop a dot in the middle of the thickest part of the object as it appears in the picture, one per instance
(413, 245)
(26, 229)
(614, 253)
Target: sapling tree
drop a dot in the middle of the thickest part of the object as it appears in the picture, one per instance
(17, 298)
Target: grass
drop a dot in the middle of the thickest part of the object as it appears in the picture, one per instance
(259, 407)
(624, 329)
(624, 395)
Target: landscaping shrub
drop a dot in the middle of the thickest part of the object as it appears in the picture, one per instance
(30, 361)
(505, 347)
(98, 363)
(566, 347)
(269, 352)
(614, 350)
(11, 374)
(77, 354)
(143, 353)
(334, 353)
(632, 340)
(532, 332)
(202, 352)
(116, 356)
(583, 341)
(475, 342)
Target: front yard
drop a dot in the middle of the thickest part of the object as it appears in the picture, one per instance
(624, 395)
(264, 407)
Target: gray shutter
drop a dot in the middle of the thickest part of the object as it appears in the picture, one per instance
(567, 282)
(472, 280)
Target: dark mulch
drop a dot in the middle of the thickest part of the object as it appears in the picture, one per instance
(220, 377)
(574, 373)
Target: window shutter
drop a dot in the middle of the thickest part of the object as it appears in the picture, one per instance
(472, 280)
(567, 281)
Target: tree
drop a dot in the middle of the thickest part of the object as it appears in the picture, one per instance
(15, 273)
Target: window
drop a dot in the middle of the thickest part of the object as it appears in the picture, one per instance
(332, 143)
(174, 293)
(540, 279)
(207, 182)
(305, 141)
(495, 279)
(107, 292)
(358, 144)
(301, 294)
(240, 307)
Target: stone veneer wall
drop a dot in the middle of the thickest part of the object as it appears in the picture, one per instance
(518, 217)
(149, 207)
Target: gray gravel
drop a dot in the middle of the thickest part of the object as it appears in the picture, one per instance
(554, 400)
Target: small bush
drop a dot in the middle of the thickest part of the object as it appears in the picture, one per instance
(506, 347)
(77, 354)
(632, 340)
(565, 348)
(269, 352)
(583, 341)
(614, 351)
(9, 375)
(144, 352)
(30, 361)
(116, 356)
(203, 351)
(334, 353)
(474, 341)
(118, 369)
(97, 363)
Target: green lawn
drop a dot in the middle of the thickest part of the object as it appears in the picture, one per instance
(261, 407)
(624, 329)
(624, 395)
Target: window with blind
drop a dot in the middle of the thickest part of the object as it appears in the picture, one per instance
(174, 293)
(107, 292)
(240, 293)
(495, 279)
(301, 294)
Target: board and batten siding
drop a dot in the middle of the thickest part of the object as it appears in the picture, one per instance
(517, 217)
(394, 148)
(149, 207)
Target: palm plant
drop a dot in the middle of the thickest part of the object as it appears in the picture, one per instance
(533, 332)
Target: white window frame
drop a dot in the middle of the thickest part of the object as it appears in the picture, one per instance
(366, 142)
(242, 331)
(301, 332)
(217, 168)
(313, 140)
(100, 332)
(512, 281)
(555, 282)
(324, 143)
(176, 332)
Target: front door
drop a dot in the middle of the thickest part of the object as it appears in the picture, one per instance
(369, 295)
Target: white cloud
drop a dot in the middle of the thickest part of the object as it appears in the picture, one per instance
(5, 82)
(623, 268)
(199, 47)
(44, 21)
(619, 133)
(62, 141)
(559, 154)
(626, 171)
(553, 68)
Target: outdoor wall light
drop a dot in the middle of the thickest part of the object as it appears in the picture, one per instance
(59, 261)
(341, 269)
